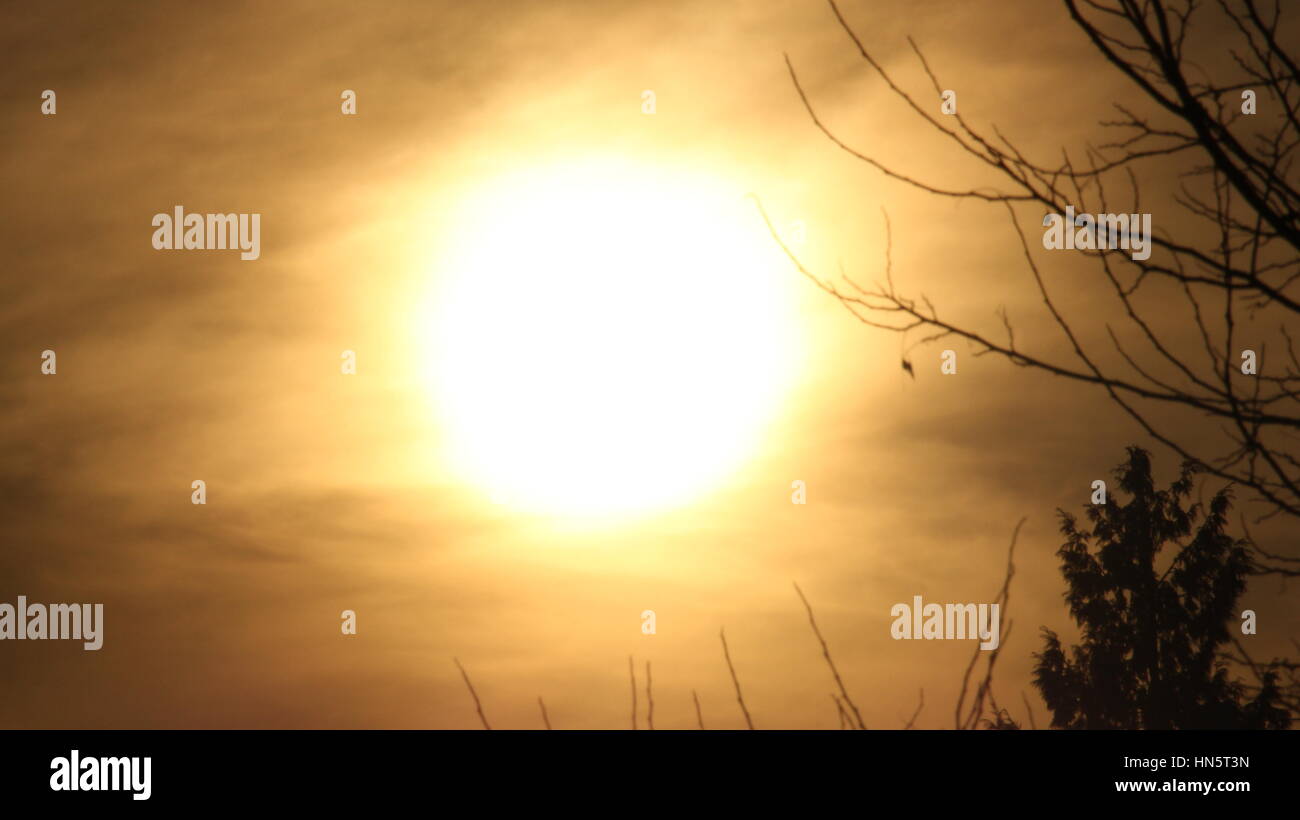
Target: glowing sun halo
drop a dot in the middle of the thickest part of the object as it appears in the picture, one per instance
(607, 338)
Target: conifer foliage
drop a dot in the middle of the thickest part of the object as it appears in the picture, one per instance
(1154, 587)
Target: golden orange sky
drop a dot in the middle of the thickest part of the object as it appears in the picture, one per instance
(372, 492)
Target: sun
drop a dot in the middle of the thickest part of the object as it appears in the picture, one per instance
(607, 338)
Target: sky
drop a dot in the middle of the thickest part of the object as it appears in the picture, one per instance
(495, 205)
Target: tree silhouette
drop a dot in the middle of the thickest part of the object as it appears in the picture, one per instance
(1153, 625)
(1233, 259)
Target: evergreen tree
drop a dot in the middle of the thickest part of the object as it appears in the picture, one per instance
(1152, 624)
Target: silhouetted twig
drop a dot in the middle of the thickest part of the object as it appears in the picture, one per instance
(650, 699)
(545, 719)
(846, 722)
(478, 706)
(826, 652)
(912, 723)
(985, 688)
(699, 716)
(739, 698)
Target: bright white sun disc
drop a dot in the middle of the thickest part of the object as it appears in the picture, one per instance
(607, 338)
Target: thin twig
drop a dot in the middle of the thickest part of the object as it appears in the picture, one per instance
(846, 722)
(739, 698)
(912, 723)
(983, 690)
(650, 699)
(699, 716)
(478, 706)
(545, 719)
(827, 653)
